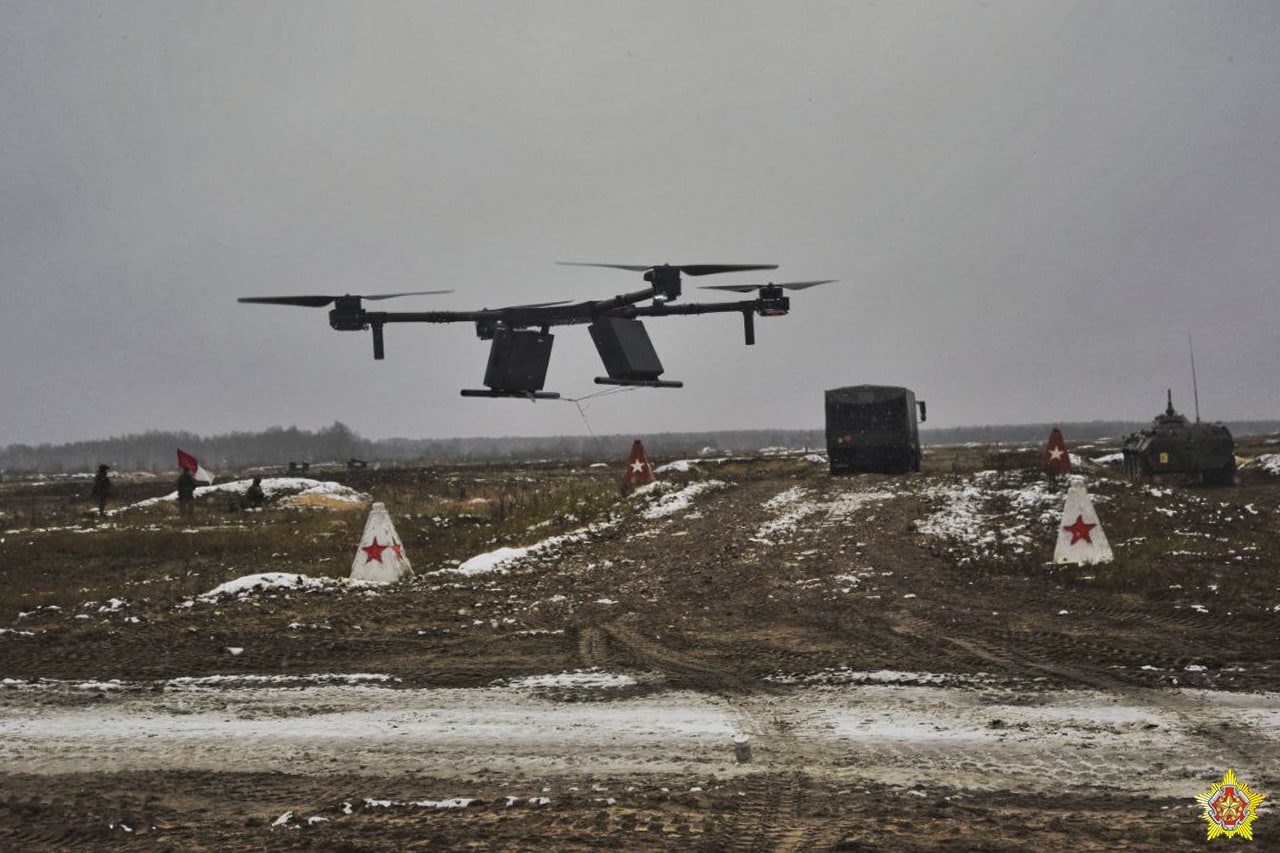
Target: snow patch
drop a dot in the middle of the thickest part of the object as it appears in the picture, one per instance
(660, 505)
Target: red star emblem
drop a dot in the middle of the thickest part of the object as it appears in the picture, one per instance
(1080, 530)
(395, 546)
(373, 551)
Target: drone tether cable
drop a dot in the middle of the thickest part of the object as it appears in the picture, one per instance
(582, 412)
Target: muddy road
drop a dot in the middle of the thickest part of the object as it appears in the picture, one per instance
(748, 656)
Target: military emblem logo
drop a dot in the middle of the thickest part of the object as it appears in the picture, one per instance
(1230, 807)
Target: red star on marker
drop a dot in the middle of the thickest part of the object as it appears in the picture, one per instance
(395, 546)
(1080, 530)
(374, 551)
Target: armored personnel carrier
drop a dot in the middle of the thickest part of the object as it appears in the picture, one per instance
(1174, 445)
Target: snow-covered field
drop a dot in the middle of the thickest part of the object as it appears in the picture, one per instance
(985, 736)
(896, 728)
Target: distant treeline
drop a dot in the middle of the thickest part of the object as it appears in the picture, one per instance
(279, 446)
(1072, 432)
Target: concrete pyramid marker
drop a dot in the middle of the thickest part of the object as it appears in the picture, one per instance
(639, 472)
(1080, 536)
(1056, 458)
(380, 557)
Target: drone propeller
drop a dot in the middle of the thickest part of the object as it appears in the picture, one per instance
(664, 279)
(321, 301)
(687, 269)
(786, 285)
(769, 301)
(348, 315)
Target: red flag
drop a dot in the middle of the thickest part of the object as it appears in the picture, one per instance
(187, 462)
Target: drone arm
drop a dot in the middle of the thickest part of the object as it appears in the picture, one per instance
(426, 316)
(667, 310)
(747, 307)
(624, 300)
(519, 316)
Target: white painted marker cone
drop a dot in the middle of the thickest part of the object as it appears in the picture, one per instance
(1080, 536)
(381, 557)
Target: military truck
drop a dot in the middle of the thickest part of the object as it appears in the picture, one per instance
(1174, 445)
(873, 428)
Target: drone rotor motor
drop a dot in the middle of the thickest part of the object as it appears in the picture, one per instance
(666, 283)
(772, 302)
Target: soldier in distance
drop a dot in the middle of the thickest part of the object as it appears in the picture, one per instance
(254, 497)
(186, 492)
(102, 489)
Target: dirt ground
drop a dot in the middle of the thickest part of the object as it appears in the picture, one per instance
(773, 659)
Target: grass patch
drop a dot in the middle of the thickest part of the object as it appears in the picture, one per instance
(442, 518)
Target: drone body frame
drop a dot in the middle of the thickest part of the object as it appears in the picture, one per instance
(521, 337)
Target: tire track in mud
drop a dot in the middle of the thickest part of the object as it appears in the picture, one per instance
(1188, 708)
(37, 824)
(1127, 612)
(736, 514)
(592, 648)
(832, 541)
(769, 816)
(777, 815)
(1011, 650)
(681, 670)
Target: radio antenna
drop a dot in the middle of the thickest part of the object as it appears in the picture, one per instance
(1195, 391)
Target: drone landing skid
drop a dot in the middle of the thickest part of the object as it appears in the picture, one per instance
(642, 383)
(496, 392)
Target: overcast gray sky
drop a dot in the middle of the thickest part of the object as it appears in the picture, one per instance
(1029, 206)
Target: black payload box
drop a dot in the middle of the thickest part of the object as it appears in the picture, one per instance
(518, 360)
(625, 349)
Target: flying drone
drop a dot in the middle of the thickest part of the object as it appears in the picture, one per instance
(521, 334)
